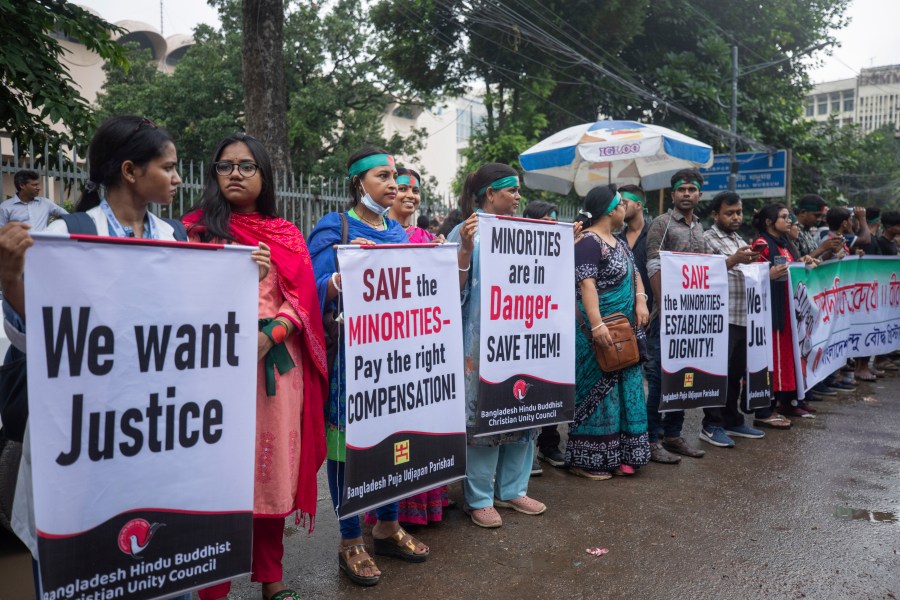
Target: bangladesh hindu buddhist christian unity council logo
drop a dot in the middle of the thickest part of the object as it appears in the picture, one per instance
(135, 536)
(520, 389)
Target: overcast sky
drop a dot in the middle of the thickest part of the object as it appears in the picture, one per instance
(871, 39)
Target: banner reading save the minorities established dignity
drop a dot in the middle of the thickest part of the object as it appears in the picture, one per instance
(527, 343)
(844, 309)
(760, 360)
(402, 337)
(141, 389)
(693, 330)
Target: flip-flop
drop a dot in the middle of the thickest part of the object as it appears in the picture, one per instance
(773, 422)
(283, 595)
(400, 545)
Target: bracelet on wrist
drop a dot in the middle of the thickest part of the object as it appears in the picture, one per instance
(466, 269)
(598, 326)
(334, 283)
(645, 296)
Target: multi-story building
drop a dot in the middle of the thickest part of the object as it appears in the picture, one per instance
(871, 100)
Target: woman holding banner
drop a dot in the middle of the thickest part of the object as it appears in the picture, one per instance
(609, 433)
(238, 206)
(373, 189)
(133, 163)
(773, 224)
(497, 466)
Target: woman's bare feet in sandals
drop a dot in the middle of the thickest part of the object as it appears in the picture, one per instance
(365, 571)
(385, 529)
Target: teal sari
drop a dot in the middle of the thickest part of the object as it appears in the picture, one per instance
(610, 424)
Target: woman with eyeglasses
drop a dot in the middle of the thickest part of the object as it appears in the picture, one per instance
(373, 190)
(238, 207)
(773, 244)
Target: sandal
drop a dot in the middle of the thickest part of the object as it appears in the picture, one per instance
(523, 504)
(352, 560)
(283, 595)
(774, 421)
(486, 517)
(400, 545)
(587, 473)
(623, 471)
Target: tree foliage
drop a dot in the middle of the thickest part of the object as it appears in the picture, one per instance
(38, 91)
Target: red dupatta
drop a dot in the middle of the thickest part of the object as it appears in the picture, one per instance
(297, 283)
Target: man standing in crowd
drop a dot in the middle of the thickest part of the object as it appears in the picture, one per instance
(679, 230)
(635, 232)
(26, 206)
(719, 424)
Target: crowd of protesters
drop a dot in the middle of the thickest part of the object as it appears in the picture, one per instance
(617, 429)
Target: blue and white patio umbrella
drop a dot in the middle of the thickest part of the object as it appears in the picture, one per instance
(621, 152)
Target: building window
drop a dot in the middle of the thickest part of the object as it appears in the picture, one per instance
(848, 101)
(810, 106)
(822, 101)
(835, 102)
(463, 125)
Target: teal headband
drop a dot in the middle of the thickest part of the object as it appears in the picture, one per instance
(634, 197)
(407, 180)
(504, 182)
(876, 220)
(681, 182)
(370, 162)
(612, 205)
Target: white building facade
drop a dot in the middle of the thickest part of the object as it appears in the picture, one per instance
(871, 100)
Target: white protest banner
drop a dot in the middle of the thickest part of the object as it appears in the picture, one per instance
(527, 345)
(406, 428)
(843, 309)
(693, 330)
(141, 390)
(760, 360)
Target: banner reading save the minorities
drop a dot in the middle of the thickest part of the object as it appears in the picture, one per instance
(760, 360)
(402, 337)
(141, 390)
(693, 330)
(844, 309)
(527, 344)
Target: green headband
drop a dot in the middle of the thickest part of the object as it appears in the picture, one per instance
(505, 182)
(370, 162)
(875, 220)
(634, 197)
(612, 205)
(407, 180)
(681, 182)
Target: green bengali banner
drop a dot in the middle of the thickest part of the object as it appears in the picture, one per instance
(843, 309)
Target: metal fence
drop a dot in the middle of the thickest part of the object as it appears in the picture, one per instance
(301, 199)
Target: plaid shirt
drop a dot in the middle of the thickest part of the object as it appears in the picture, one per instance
(807, 242)
(719, 242)
(671, 232)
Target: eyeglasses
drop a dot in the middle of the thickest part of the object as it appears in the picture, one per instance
(225, 168)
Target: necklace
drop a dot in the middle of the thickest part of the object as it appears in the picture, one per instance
(375, 225)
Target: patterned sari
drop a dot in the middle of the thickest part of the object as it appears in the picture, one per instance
(610, 425)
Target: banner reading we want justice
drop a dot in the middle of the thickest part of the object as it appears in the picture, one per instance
(141, 389)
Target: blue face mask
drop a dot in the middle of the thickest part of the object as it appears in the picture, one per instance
(372, 205)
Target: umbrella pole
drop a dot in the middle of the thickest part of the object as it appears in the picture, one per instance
(661, 196)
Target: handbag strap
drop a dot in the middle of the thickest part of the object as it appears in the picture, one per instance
(345, 229)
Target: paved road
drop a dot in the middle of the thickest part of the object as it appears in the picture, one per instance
(807, 513)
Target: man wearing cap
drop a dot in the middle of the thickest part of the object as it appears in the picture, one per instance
(679, 230)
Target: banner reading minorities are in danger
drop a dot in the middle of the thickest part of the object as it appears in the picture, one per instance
(141, 388)
(693, 330)
(527, 343)
(405, 396)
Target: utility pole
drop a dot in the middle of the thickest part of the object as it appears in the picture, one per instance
(732, 175)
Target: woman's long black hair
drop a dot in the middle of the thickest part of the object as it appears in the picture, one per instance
(216, 209)
(118, 139)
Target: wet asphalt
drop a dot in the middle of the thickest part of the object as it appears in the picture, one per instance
(813, 512)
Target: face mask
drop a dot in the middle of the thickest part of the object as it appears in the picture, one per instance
(371, 204)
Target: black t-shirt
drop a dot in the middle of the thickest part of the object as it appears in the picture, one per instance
(881, 246)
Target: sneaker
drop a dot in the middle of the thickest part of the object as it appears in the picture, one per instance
(717, 437)
(679, 445)
(843, 387)
(552, 456)
(536, 469)
(745, 432)
(661, 455)
(824, 390)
